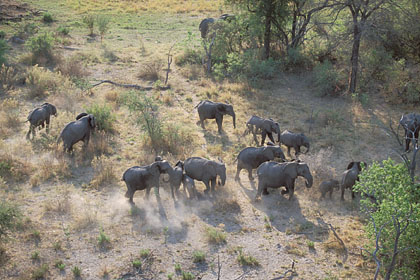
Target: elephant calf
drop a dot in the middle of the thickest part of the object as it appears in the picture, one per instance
(328, 186)
(205, 170)
(215, 110)
(250, 158)
(76, 131)
(144, 177)
(264, 127)
(40, 116)
(295, 141)
(189, 185)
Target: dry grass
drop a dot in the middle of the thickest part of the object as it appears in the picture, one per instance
(85, 218)
(112, 96)
(151, 70)
(155, 6)
(9, 76)
(13, 168)
(61, 204)
(42, 82)
(50, 167)
(104, 172)
(9, 117)
(72, 67)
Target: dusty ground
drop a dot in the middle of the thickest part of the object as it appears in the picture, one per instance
(65, 213)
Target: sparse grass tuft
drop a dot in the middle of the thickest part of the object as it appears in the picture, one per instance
(103, 239)
(215, 236)
(187, 275)
(199, 256)
(136, 263)
(60, 265)
(89, 21)
(104, 172)
(35, 256)
(9, 76)
(10, 217)
(9, 116)
(247, 260)
(144, 253)
(295, 250)
(151, 70)
(311, 244)
(178, 268)
(72, 67)
(40, 272)
(47, 18)
(76, 271)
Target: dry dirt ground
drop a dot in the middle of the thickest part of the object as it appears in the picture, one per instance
(66, 212)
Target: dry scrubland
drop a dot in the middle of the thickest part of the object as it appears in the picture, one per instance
(76, 216)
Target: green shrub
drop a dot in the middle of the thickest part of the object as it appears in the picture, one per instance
(63, 30)
(326, 79)
(144, 253)
(10, 217)
(199, 256)
(263, 70)
(60, 265)
(296, 60)
(103, 239)
(3, 49)
(47, 18)
(247, 260)
(35, 256)
(41, 46)
(103, 116)
(89, 21)
(396, 205)
(215, 236)
(76, 271)
(187, 275)
(189, 56)
(102, 21)
(137, 263)
(2, 35)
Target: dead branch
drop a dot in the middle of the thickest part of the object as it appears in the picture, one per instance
(242, 275)
(394, 132)
(208, 52)
(292, 271)
(219, 267)
(169, 64)
(129, 86)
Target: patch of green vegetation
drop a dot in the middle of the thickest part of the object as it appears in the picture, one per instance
(136, 263)
(178, 267)
(40, 272)
(60, 265)
(35, 256)
(103, 239)
(144, 253)
(199, 256)
(187, 275)
(104, 117)
(47, 18)
(215, 236)
(246, 260)
(76, 271)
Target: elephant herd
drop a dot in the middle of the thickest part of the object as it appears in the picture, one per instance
(273, 170)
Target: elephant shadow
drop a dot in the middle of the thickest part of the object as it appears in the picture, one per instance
(215, 138)
(286, 215)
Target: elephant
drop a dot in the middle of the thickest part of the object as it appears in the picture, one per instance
(144, 177)
(350, 176)
(175, 177)
(205, 170)
(328, 186)
(251, 157)
(189, 184)
(272, 174)
(411, 124)
(295, 140)
(215, 110)
(207, 22)
(76, 131)
(264, 127)
(40, 116)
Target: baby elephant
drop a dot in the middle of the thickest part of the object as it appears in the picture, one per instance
(40, 116)
(328, 186)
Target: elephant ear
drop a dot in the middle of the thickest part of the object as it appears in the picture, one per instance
(268, 152)
(350, 166)
(155, 168)
(221, 108)
(81, 115)
(210, 169)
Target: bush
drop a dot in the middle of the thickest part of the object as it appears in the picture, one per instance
(189, 56)
(296, 60)
(103, 22)
(42, 81)
(47, 18)
(393, 205)
(8, 77)
(151, 70)
(10, 217)
(215, 236)
(199, 257)
(103, 116)
(2, 35)
(89, 21)
(72, 67)
(63, 30)
(41, 46)
(326, 79)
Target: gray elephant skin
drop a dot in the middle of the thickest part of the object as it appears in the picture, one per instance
(295, 141)
(328, 187)
(411, 124)
(215, 110)
(40, 116)
(275, 175)
(350, 176)
(207, 22)
(76, 131)
(205, 170)
(264, 127)
(251, 157)
(144, 177)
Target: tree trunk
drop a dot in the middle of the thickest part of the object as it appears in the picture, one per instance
(394, 255)
(267, 32)
(357, 35)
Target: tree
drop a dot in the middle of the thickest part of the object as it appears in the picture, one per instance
(391, 202)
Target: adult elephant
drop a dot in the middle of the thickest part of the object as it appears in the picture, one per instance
(258, 125)
(251, 157)
(272, 174)
(295, 141)
(206, 23)
(40, 116)
(411, 124)
(215, 110)
(144, 177)
(205, 170)
(350, 176)
(76, 131)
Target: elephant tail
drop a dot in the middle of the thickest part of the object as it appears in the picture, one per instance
(198, 104)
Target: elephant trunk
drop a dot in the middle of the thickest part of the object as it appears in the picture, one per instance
(223, 178)
(309, 181)
(234, 119)
(278, 136)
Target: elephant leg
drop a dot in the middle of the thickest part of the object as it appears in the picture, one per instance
(48, 124)
(28, 135)
(288, 151)
(291, 192)
(331, 191)
(352, 194)
(255, 138)
(250, 174)
(270, 135)
(407, 143)
(219, 121)
(263, 135)
(207, 186)
(213, 185)
(172, 191)
(202, 122)
(260, 189)
(238, 170)
(129, 194)
(297, 150)
(148, 192)
(265, 191)
(342, 193)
